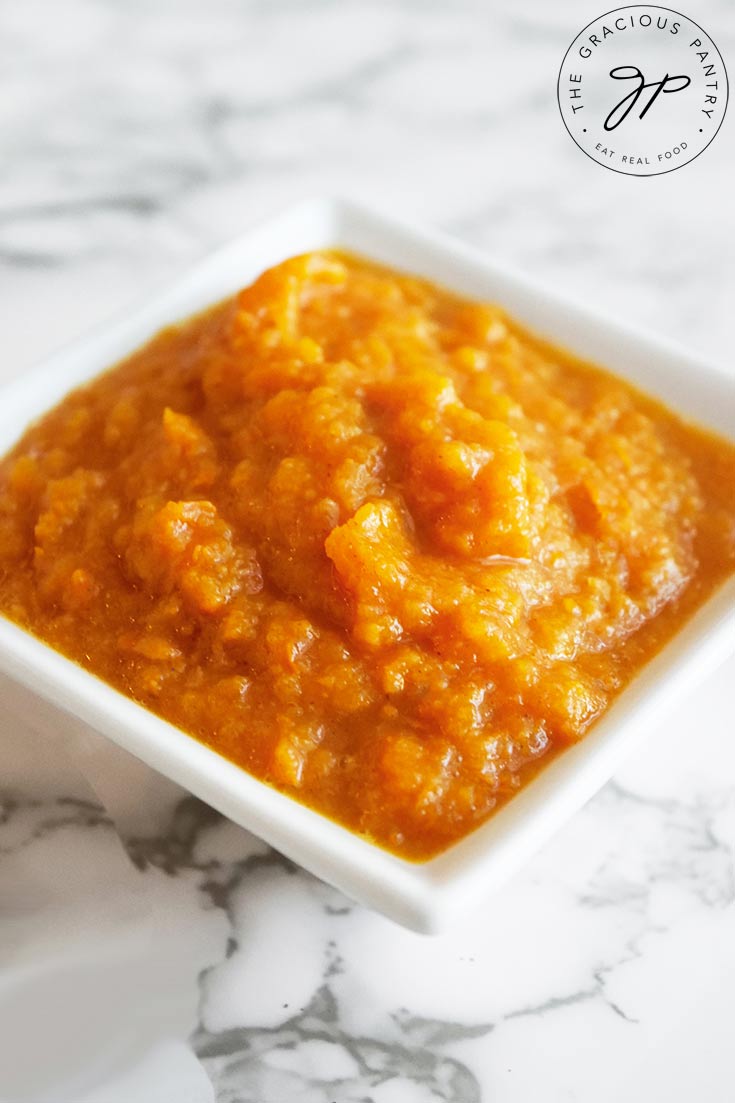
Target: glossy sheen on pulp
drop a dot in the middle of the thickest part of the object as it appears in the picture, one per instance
(371, 541)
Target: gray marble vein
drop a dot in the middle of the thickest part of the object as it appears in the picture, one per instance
(135, 137)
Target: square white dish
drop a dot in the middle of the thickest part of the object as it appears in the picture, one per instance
(426, 896)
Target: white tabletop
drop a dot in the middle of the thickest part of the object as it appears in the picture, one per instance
(134, 138)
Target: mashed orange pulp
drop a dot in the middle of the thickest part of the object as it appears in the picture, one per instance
(371, 541)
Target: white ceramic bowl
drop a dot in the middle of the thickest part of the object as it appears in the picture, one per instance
(427, 896)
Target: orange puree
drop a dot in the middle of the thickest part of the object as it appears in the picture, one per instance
(371, 541)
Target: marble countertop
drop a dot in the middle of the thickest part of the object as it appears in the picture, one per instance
(150, 949)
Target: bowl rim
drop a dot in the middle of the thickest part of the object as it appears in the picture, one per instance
(427, 896)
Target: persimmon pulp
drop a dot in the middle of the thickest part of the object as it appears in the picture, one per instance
(373, 542)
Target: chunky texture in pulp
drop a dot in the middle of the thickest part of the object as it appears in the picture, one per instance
(371, 541)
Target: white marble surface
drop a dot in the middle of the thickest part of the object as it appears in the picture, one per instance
(134, 137)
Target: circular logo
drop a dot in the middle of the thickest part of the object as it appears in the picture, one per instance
(642, 90)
